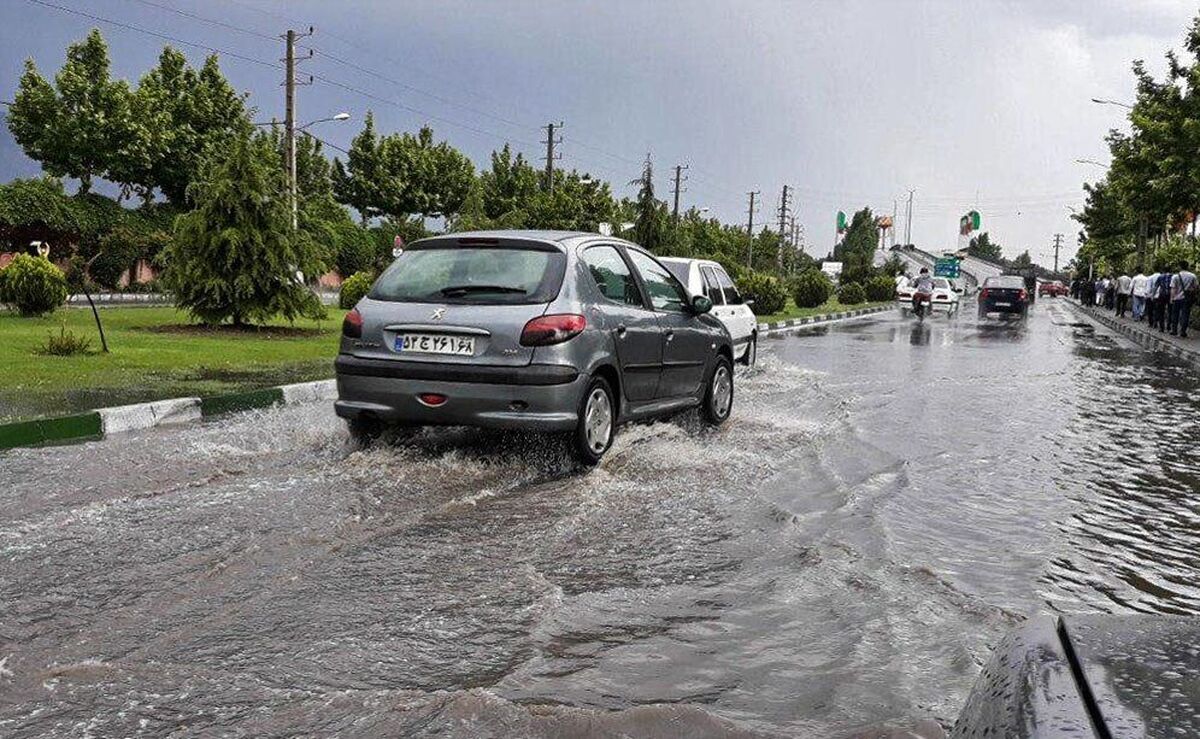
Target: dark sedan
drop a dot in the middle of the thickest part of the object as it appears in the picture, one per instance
(1004, 294)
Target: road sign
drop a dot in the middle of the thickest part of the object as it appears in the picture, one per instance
(946, 268)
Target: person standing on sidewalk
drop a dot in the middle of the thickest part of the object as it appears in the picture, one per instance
(1124, 291)
(1150, 282)
(1164, 300)
(1139, 295)
(1183, 294)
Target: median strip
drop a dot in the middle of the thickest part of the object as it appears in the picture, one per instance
(104, 422)
(766, 328)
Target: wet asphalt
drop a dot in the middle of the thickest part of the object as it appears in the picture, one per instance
(887, 500)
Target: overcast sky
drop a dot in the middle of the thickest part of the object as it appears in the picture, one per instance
(851, 103)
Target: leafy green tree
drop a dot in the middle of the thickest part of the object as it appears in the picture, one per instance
(983, 247)
(357, 183)
(235, 256)
(1023, 261)
(420, 177)
(509, 186)
(76, 127)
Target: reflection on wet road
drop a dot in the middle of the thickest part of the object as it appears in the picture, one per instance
(887, 500)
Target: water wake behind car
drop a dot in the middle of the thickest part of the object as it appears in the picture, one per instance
(262, 575)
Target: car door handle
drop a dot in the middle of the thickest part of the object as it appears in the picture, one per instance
(670, 335)
(621, 330)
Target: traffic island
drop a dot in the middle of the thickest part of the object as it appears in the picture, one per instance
(105, 422)
(777, 326)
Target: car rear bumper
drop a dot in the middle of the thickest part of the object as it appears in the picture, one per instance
(991, 308)
(533, 397)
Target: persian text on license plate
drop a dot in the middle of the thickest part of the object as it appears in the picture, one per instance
(436, 344)
(1003, 305)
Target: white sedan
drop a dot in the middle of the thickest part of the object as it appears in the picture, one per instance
(944, 297)
(705, 277)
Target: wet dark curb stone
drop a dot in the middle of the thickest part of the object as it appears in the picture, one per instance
(103, 422)
(1141, 336)
(765, 328)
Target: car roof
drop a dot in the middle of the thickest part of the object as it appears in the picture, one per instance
(689, 260)
(513, 235)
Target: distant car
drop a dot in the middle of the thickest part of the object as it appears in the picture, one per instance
(705, 277)
(537, 330)
(944, 297)
(1054, 289)
(1004, 294)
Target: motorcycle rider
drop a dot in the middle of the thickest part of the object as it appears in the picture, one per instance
(922, 287)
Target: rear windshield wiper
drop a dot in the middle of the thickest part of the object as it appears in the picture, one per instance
(464, 289)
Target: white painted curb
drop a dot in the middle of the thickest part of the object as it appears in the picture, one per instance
(145, 415)
(309, 392)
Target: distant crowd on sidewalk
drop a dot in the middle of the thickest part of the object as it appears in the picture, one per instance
(1164, 299)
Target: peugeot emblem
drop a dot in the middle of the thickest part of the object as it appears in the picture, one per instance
(437, 314)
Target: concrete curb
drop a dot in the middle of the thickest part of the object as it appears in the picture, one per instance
(774, 326)
(1148, 339)
(112, 299)
(105, 421)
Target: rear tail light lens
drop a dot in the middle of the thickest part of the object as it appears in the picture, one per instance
(555, 329)
(432, 399)
(352, 325)
(1022, 295)
(983, 294)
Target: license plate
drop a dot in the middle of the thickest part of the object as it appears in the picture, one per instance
(1003, 305)
(435, 344)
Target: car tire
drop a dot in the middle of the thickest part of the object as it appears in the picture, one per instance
(718, 393)
(591, 438)
(363, 431)
(751, 355)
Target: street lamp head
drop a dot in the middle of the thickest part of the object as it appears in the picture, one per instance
(343, 116)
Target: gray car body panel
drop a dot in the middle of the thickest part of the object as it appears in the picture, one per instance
(627, 342)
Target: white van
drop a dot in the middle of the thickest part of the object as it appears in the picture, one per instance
(704, 277)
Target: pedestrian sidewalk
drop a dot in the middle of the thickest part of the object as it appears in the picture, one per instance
(1188, 348)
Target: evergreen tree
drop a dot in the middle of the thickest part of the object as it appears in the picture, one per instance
(650, 224)
(357, 182)
(235, 257)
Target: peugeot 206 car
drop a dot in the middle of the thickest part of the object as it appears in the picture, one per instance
(709, 278)
(534, 330)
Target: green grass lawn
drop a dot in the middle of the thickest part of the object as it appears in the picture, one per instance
(831, 306)
(154, 353)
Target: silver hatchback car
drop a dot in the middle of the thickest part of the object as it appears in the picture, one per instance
(537, 330)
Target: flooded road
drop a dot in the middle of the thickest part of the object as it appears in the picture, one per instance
(887, 500)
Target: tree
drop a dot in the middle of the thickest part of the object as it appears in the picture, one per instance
(983, 247)
(650, 224)
(235, 256)
(204, 112)
(1023, 261)
(357, 182)
(510, 185)
(76, 127)
(419, 177)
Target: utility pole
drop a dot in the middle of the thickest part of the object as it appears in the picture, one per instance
(908, 220)
(550, 155)
(1057, 245)
(750, 230)
(784, 202)
(679, 180)
(289, 119)
(895, 217)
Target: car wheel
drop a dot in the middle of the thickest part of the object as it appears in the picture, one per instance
(363, 431)
(597, 422)
(718, 394)
(751, 355)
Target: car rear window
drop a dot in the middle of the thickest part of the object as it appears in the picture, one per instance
(476, 275)
(1005, 281)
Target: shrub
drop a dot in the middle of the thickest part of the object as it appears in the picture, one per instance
(354, 288)
(32, 285)
(765, 290)
(66, 344)
(851, 294)
(811, 289)
(880, 288)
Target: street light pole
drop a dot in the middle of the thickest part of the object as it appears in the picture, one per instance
(1119, 104)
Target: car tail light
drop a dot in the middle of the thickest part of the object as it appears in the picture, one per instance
(1022, 295)
(352, 325)
(983, 294)
(554, 329)
(433, 400)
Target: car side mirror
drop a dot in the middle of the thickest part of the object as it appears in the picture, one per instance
(701, 304)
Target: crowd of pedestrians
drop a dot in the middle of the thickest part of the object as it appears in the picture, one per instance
(1163, 300)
